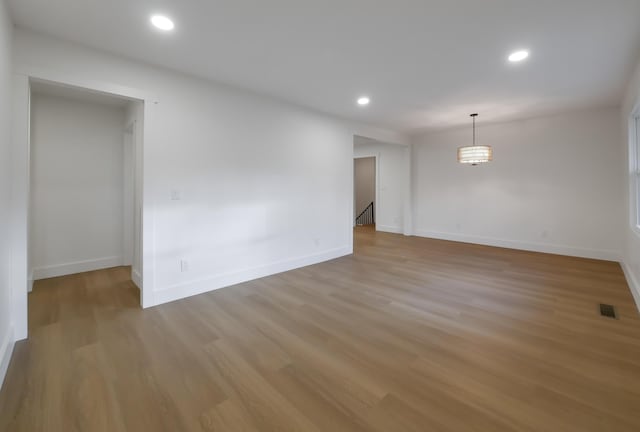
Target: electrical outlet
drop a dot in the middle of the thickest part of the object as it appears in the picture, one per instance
(184, 266)
(175, 195)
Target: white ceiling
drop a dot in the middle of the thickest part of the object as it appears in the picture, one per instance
(425, 63)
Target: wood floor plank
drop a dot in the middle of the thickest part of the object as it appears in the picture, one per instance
(228, 416)
(91, 401)
(267, 407)
(406, 334)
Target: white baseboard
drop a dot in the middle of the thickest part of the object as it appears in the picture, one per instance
(136, 277)
(192, 288)
(30, 282)
(6, 349)
(607, 255)
(633, 283)
(389, 229)
(76, 267)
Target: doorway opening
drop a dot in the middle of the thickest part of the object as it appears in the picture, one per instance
(381, 188)
(85, 183)
(365, 200)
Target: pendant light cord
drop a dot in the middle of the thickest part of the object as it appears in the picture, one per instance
(473, 116)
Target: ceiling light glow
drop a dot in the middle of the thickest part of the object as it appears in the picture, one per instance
(364, 100)
(162, 22)
(518, 56)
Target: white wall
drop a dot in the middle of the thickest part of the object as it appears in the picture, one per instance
(77, 186)
(364, 177)
(261, 182)
(392, 182)
(554, 185)
(631, 263)
(6, 312)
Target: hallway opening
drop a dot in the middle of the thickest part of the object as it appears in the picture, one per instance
(85, 185)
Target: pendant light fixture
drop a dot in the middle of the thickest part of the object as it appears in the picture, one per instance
(475, 154)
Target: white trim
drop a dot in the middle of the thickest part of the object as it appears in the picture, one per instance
(136, 277)
(76, 267)
(6, 349)
(30, 282)
(390, 229)
(603, 254)
(77, 80)
(407, 223)
(20, 138)
(128, 193)
(634, 285)
(634, 169)
(188, 289)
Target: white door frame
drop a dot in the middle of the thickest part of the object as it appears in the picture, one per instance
(132, 242)
(407, 228)
(128, 223)
(20, 146)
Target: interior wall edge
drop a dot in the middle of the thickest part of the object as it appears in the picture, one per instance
(634, 284)
(6, 349)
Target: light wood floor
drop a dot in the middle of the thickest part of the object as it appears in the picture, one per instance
(408, 334)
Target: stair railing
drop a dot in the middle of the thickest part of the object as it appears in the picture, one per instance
(367, 216)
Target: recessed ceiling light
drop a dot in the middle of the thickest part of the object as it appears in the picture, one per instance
(364, 100)
(162, 22)
(518, 56)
